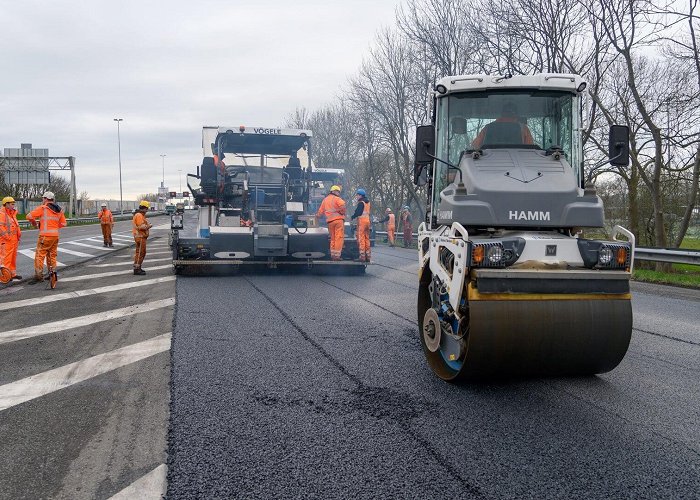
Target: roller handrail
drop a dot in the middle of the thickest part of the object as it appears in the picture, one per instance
(24, 224)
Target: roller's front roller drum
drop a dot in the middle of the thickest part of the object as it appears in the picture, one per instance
(530, 337)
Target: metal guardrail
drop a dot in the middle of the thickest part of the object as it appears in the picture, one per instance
(672, 255)
(86, 220)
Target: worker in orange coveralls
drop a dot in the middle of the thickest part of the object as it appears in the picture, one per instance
(390, 220)
(140, 230)
(333, 209)
(363, 225)
(10, 235)
(407, 224)
(106, 223)
(49, 218)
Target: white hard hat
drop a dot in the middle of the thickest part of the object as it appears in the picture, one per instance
(104, 205)
(49, 195)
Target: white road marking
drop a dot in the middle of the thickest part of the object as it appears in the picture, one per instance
(145, 262)
(67, 324)
(73, 252)
(46, 298)
(103, 248)
(109, 273)
(151, 486)
(147, 254)
(97, 240)
(31, 253)
(50, 381)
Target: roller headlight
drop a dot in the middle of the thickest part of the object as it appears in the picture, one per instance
(487, 255)
(605, 256)
(495, 254)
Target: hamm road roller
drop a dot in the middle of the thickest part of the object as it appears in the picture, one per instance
(509, 286)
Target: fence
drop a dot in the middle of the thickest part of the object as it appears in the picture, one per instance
(86, 220)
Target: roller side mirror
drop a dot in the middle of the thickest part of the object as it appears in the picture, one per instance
(425, 144)
(619, 145)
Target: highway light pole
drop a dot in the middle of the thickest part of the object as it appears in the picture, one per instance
(119, 145)
(162, 184)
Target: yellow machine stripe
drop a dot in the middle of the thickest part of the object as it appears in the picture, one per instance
(474, 294)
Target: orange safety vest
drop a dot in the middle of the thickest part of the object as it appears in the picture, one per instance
(392, 220)
(105, 217)
(365, 212)
(333, 207)
(49, 221)
(9, 227)
(139, 226)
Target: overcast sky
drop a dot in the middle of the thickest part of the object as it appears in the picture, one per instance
(68, 68)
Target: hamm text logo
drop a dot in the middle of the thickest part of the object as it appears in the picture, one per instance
(528, 215)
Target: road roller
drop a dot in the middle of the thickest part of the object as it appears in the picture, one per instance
(510, 283)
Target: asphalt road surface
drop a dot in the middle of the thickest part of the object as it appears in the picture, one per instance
(302, 386)
(309, 386)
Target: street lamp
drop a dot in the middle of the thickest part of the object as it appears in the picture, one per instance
(162, 184)
(119, 145)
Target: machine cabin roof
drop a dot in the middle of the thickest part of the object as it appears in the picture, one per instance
(259, 140)
(540, 81)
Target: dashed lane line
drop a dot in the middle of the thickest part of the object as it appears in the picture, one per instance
(46, 298)
(89, 319)
(50, 381)
(32, 253)
(109, 273)
(151, 486)
(145, 262)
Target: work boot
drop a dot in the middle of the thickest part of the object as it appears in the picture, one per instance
(17, 277)
(110, 245)
(104, 244)
(37, 279)
(139, 272)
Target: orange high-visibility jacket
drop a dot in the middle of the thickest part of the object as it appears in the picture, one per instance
(139, 226)
(526, 136)
(333, 207)
(51, 218)
(106, 217)
(391, 221)
(365, 211)
(9, 227)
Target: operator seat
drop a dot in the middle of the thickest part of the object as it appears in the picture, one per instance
(503, 133)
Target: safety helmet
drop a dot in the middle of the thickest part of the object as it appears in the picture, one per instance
(104, 205)
(388, 210)
(144, 204)
(49, 195)
(8, 199)
(361, 192)
(335, 187)
(405, 207)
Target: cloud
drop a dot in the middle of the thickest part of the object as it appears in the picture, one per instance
(167, 68)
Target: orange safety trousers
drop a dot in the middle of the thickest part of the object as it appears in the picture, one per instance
(139, 252)
(46, 249)
(363, 230)
(107, 233)
(8, 254)
(336, 231)
(391, 233)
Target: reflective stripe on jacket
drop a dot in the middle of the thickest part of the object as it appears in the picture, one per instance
(50, 221)
(332, 207)
(9, 227)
